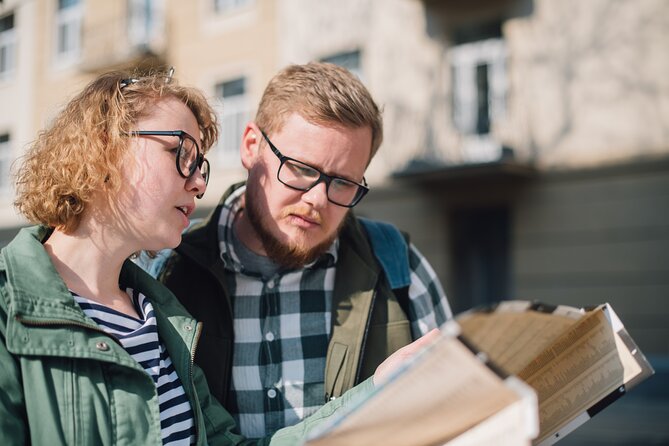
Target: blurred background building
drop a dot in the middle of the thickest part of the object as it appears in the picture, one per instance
(526, 141)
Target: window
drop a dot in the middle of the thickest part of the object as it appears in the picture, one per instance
(478, 61)
(144, 21)
(5, 162)
(68, 31)
(234, 115)
(349, 60)
(7, 46)
(226, 6)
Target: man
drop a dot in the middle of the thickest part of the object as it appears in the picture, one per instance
(295, 306)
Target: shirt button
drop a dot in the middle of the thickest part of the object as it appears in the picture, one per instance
(188, 327)
(102, 346)
(269, 336)
(270, 285)
(271, 393)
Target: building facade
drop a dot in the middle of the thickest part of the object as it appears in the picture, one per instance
(50, 49)
(526, 142)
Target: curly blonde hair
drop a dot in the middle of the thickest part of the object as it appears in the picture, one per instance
(82, 150)
(322, 93)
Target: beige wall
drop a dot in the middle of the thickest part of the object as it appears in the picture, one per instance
(587, 80)
(207, 49)
(17, 98)
(399, 63)
(37, 88)
(203, 46)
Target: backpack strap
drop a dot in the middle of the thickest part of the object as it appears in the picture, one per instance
(155, 264)
(391, 249)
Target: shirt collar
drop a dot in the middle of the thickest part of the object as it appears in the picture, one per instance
(232, 205)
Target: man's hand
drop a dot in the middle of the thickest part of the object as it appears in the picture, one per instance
(387, 367)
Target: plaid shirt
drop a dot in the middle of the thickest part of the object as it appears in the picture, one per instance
(282, 328)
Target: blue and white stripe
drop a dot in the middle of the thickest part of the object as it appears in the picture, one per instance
(139, 337)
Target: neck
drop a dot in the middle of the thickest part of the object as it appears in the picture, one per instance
(89, 263)
(246, 233)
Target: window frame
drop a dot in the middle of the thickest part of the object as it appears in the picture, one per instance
(465, 60)
(145, 20)
(342, 58)
(230, 6)
(234, 111)
(68, 17)
(6, 159)
(8, 44)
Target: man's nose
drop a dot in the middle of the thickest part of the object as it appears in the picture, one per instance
(317, 196)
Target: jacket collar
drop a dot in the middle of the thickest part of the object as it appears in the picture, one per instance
(36, 294)
(37, 290)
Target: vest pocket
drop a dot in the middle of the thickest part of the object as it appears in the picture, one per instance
(334, 371)
(382, 341)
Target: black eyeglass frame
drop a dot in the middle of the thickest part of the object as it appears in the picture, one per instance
(200, 159)
(323, 177)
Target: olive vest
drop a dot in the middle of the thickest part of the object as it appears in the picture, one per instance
(368, 323)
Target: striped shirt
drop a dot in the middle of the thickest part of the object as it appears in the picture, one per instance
(282, 330)
(139, 337)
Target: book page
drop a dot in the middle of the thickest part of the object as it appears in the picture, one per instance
(634, 362)
(574, 359)
(445, 392)
(512, 339)
(510, 428)
(577, 362)
(577, 371)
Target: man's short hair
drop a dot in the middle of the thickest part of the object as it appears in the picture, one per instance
(323, 94)
(83, 149)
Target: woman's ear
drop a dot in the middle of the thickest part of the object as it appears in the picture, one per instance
(250, 145)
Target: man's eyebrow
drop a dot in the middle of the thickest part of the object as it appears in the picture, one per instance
(327, 172)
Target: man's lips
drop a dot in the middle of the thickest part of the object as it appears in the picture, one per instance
(306, 220)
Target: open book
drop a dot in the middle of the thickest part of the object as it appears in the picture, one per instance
(520, 373)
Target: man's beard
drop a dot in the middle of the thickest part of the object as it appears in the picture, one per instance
(288, 256)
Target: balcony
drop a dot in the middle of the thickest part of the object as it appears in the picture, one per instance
(130, 35)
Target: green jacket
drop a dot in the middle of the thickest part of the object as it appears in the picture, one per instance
(368, 323)
(65, 381)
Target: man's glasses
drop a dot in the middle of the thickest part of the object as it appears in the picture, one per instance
(301, 176)
(188, 155)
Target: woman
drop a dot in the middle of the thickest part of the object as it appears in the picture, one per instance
(93, 350)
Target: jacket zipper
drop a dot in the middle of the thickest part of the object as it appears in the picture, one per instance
(222, 287)
(198, 331)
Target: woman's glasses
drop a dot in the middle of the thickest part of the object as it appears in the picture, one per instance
(188, 155)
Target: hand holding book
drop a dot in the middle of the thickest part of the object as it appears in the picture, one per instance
(386, 369)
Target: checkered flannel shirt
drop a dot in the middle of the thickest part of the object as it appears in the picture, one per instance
(282, 327)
